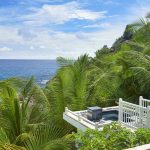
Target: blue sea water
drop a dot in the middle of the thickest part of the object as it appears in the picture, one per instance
(43, 70)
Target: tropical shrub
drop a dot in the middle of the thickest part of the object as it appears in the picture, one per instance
(113, 137)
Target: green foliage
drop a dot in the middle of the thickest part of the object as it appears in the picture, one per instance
(104, 51)
(44, 137)
(24, 115)
(142, 136)
(11, 147)
(68, 88)
(64, 62)
(113, 137)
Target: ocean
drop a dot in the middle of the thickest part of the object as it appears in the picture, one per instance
(42, 70)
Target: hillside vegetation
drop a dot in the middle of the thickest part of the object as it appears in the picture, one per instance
(120, 71)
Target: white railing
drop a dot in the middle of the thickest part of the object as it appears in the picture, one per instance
(76, 115)
(130, 115)
(144, 102)
(134, 116)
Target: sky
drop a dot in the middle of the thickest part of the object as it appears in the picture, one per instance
(47, 29)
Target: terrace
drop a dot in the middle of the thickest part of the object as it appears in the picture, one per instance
(130, 115)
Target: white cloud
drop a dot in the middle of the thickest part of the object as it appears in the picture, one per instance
(98, 25)
(140, 10)
(5, 49)
(26, 33)
(110, 2)
(30, 42)
(59, 14)
(135, 12)
(9, 34)
(106, 2)
(49, 45)
(32, 47)
(44, 1)
(42, 46)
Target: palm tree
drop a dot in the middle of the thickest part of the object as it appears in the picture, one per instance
(141, 70)
(22, 114)
(103, 80)
(135, 75)
(18, 108)
(68, 89)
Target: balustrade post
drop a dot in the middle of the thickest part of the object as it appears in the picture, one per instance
(148, 117)
(66, 109)
(120, 110)
(96, 125)
(140, 100)
(79, 117)
(140, 117)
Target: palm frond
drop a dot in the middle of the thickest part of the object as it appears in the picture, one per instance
(28, 87)
(11, 147)
(140, 24)
(5, 143)
(64, 61)
(43, 137)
